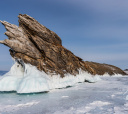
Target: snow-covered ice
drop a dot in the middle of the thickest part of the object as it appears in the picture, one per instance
(108, 96)
(27, 79)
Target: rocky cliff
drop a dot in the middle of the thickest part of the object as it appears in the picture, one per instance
(33, 43)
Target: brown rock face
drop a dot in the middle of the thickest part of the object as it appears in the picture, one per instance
(33, 43)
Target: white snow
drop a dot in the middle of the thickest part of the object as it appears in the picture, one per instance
(30, 80)
(108, 96)
(92, 106)
(18, 106)
(65, 96)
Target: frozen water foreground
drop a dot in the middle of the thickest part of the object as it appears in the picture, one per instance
(108, 96)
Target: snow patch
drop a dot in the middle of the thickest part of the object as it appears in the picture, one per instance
(27, 79)
(92, 106)
(65, 96)
(17, 107)
(84, 110)
(121, 110)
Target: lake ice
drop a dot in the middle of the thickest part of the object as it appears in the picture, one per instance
(108, 96)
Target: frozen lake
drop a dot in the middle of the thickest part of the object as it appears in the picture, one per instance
(108, 96)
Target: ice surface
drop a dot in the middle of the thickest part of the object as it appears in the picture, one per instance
(108, 96)
(29, 80)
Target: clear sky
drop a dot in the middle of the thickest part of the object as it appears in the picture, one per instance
(95, 30)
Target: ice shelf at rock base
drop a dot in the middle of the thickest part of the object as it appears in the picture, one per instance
(30, 80)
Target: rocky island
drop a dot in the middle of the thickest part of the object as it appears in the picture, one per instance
(34, 44)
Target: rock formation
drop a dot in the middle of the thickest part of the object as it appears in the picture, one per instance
(35, 44)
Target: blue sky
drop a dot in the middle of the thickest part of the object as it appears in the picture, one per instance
(95, 30)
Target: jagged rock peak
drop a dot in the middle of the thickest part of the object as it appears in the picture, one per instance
(35, 44)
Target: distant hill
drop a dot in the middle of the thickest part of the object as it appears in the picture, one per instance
(126, 70)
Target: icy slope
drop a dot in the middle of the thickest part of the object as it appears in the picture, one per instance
(29, 79)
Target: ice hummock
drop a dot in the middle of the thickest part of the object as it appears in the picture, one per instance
(28, 79)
